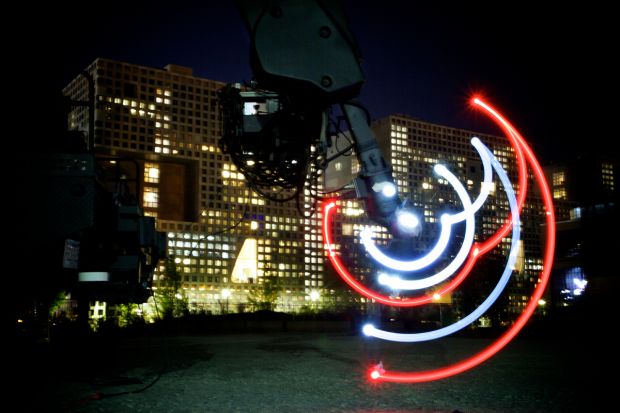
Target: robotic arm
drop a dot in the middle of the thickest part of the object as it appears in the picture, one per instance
(304, 55)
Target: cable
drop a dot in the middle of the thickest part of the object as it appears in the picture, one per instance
(282, 158)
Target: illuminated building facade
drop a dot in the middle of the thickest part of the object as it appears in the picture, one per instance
(413, 147)
(224, 238)
(587, 188)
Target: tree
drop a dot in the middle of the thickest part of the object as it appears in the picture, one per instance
(265, 295)
(170, 296)
(128, 314)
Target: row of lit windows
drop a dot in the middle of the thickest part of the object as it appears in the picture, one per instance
(559, 193)
(559, 178)
(607, 171)
(399, 128)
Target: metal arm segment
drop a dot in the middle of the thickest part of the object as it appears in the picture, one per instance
(304, 51)
(375, 182)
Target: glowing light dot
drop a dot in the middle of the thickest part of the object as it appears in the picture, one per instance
(375, 375)
(408, 221)
(436, 296)
(368, 329)
(389, 190)
(440, 169)
(476, 251)
(383, 279)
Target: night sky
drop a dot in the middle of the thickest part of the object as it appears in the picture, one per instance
(541, 67)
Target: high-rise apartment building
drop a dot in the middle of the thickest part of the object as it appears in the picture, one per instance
(587, 180)
(224, 238)
(587, 187)
(413, 148)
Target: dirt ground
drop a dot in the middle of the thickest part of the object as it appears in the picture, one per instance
(304, 372)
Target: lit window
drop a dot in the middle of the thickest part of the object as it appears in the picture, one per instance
(559, 193)
(150, 197)
(347, 229)
(151, 173)
(607, 173)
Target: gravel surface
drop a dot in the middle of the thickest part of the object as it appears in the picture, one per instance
(305, 372)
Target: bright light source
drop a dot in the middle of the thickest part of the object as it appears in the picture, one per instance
(541, 302)
(387, 189)
(153, 173)
(186, 261)
(580, 283)
(375, 375)
(368, 329)
(407, 221)
(436, 296)
(226, 293)
(178, 296)
(493, 295)
(93, 276)
(315, 295)
(253, 225)
(446, 224)
(447, 221)
(383, 278)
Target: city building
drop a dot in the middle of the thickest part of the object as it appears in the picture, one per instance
(413, 148)
(587, 189)
(161, 128)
